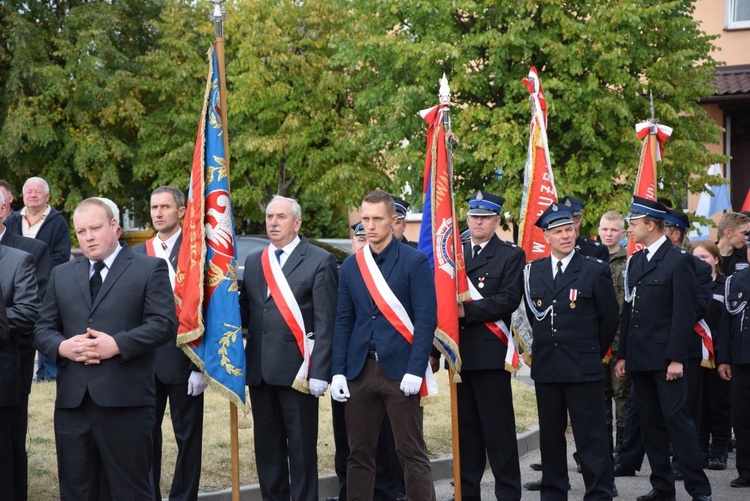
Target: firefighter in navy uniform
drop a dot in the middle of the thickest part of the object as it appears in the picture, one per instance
(486, 420)
(572, 305)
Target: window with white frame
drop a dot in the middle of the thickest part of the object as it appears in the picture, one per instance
(737, 14)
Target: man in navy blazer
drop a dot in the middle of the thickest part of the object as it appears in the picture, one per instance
(101, 320)
(572, 305)
(375, 369)
(655, 336)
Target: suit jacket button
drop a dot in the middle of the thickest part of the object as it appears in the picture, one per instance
(373, 317)
(265, 310)
(91, 320)
(554, 301)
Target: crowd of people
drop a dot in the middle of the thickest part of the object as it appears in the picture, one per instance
(642, 355)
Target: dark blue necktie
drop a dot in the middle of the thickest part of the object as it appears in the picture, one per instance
(278, 253)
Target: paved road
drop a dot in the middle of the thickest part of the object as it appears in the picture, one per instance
(629, 487)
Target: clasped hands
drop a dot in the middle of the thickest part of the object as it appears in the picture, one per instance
(90, 348)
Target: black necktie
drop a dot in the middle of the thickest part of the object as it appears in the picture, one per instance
(95, 282)
(278, 253)
(645, 259)
(558, 275)
(476, 248)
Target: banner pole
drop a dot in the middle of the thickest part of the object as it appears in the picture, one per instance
(218, 16)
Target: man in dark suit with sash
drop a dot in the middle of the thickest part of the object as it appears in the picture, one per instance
(655, 336)
(176, 378)
(288, 304)
(573, 309)
(486, 421)
(385, 324)
(101, 320)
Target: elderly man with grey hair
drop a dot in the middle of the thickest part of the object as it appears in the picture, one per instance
(288, 304)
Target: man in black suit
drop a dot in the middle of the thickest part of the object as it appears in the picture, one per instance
(486, 420)
(176, 378)
(42, 269)
(21, 301)
(573, 309)
(101, 321)
(733, 358)
(584, 245)
(656, 329)
(288, 304)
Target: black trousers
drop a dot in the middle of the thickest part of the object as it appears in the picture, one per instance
(585, 404)
(104, 452)
(716, 415)
(285, 423)
(187, 421)
(661, 404)
(487, 429)
(740, 413)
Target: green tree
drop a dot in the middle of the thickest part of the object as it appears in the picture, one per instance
(70, 104)
(597, 60)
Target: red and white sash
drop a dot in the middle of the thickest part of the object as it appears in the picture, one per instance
(289, 309)
(707, 344)
(498, 328)
(151, 251)
(392, 309)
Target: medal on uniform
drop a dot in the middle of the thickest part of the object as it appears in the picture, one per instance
(573, 297)
(481, 282)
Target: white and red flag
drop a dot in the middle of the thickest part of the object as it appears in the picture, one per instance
(538, 182)
(653, 136)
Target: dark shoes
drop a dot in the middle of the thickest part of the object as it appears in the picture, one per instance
(718, 462)
(623, 471)
(536, 466)
(701, 497)
(740, 482)
(536, 485)
(655, 495)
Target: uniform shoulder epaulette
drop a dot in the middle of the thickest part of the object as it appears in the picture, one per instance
(537, 260)
(509, 244)
(592, 259)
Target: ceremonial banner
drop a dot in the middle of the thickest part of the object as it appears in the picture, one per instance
(714, 198)
(538, 182)
(653, 137)
(210, 330)
(439, 237)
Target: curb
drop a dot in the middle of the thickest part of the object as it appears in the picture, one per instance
(328, 485)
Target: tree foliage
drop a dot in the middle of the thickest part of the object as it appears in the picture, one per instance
(103, 97)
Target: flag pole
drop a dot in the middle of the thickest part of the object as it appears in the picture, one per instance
(444, 97)
(218, 16)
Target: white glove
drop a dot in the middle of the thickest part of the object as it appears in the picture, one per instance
(317, 387)
(196, 383)
(339, 388)
(411, 384)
